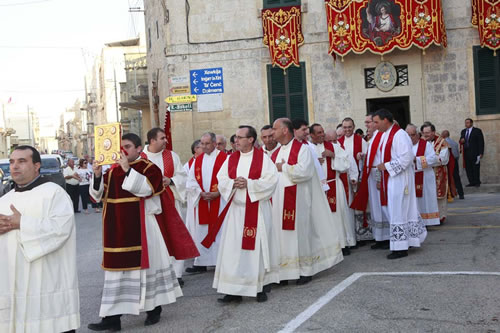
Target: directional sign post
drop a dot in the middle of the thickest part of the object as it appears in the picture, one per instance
(206, 81)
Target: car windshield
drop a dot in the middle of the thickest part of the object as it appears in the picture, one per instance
(50, 163)
(5, 168)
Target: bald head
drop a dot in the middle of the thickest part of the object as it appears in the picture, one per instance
(331, 135)
(412, 132)
(283, 130)
(221, 142)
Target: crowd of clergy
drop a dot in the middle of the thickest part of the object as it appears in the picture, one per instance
(261, 214)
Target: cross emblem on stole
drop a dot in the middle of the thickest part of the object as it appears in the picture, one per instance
(289, 214)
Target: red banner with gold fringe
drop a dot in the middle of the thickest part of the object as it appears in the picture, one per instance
(380, 26)
(486, 16)
(283, 35)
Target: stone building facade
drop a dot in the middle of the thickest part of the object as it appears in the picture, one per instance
(193, 34)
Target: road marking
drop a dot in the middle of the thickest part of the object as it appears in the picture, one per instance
(465, 227)
(325, 299)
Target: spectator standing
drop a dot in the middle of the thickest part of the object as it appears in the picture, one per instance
(72, 183)
(473, 140)
(455, 151)
(83, 186)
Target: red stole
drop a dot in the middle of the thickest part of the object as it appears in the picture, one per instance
(387, 158)
(343, 176)
(190, 162)
(357, 145)
(168, 169)
(331, 194)
(290, 195)
(361, 198)
(419, 175)
(208, 213)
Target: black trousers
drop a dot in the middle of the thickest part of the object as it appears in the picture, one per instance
(456, 178)
(74, 195)
(84, 194)
(472, 169)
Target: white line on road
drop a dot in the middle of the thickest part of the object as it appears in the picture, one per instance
(325, 299)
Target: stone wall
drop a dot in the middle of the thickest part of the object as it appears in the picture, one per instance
(441, 82)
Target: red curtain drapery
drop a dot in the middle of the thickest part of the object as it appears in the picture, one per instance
(486, 17)
(283, 35)
(380, 26)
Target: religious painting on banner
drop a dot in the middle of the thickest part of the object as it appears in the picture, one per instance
(283, 35)
(380, 26)
(486, 16)
(381, 21)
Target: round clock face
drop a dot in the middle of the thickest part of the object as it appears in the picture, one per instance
(386, 76)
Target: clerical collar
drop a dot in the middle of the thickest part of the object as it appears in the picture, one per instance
(150, 152)
(31, 185)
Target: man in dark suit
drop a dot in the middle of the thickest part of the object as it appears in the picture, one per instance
(473, 141)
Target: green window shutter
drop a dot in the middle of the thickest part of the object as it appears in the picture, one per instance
(280, 3)
(487, 81)
(287, 93)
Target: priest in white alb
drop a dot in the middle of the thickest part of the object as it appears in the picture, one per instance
(441, 148)
(356, 147)
(397, 186)
(38, 280)
(309, 240)
(248, 252)
(425, 179)
(334, 160)
(204, 202)
(174, 177)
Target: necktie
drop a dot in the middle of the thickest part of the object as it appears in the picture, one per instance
(467, 137)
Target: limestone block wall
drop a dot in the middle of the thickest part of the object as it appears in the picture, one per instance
(441, 82)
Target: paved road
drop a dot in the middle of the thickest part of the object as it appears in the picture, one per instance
(431, 299)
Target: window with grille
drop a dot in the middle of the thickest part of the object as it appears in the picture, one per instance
(486, 81)
(280, 3)
(401, 70)
(287, 92)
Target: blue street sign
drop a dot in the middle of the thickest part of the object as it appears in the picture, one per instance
(206, 81)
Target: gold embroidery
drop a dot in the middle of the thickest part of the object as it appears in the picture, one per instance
(123, 200)
(289, 214)
(121, 269)
(249, 232)
(427, 216)
(123, 249)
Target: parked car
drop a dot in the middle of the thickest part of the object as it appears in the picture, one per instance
(5, 180)
(52, 169)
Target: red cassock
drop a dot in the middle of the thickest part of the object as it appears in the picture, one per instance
(124, 236)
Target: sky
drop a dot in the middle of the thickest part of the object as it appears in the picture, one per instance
(47, 47)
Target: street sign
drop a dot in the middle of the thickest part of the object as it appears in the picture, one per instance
(180, 99)
(180, 107)
(178, 80)
(206, 81)
(179, 90)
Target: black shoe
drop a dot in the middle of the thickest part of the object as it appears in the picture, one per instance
(346, 251)
(153, 316)
(181, 282)
(267, 288)
(284, 283)
(381, 245)
(470, 185)
(304, 280)
(230, 298)
(261, 297)
(196, 269)
(462, 197)
(362, 243)
(355, 247)
(77, 211)
(477, 185)
(397, 254)
(111, 323)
